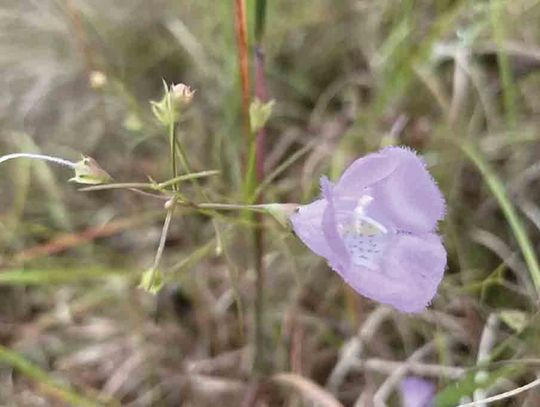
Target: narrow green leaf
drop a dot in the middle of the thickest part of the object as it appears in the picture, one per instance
(453, 394)
(498, 190)
(49, 385)
(22, 277)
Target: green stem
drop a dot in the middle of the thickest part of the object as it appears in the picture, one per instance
(120, 185)
(200, 191)
(163, 238)
(148, 185)
(228, 207)
(172, 140)
(187, 177)
(260, 19)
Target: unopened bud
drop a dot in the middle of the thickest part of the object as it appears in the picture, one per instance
(152, 281)
(259, 113)
(88, 171)
(169, 204)
(176, 98)
(97, 79)
(181, 94)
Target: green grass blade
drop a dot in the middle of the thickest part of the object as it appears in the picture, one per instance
(498, 190)
(510, 98)
(22, 277)
(452, 394)
(49, 385)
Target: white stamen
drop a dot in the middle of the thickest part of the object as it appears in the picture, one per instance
(366, 238)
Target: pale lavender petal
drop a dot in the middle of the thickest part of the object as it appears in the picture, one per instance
(408, 275)
(375, 229)
(409, 196)
(307, 224)
(340, 259)
(365, 172)
(417, 392)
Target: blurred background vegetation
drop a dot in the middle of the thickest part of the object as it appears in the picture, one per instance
(458, 80)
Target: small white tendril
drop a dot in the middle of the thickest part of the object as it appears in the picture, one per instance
(42, 157)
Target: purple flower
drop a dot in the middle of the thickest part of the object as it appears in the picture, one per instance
(377, 228)
(417, 392)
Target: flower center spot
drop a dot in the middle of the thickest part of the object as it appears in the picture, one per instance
(365, 239)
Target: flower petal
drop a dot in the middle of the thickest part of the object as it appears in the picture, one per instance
(417, 392)
(365, 172)
(339, 259)
(409, 195)
(410, 271)
(307, 224)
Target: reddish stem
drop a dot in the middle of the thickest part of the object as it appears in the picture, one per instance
(240, 23)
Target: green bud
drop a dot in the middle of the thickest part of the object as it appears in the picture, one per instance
(97, 79)
(152, 281)
(181, 94)
(174, 101)
(281, 212)
(132, 122)
(259, 113)
(88, 171)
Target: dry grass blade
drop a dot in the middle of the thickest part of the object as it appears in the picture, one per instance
(69, 240)
(308, 389)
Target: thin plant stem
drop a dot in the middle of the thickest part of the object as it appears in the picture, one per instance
(260, 18)
(120, 185)
(228, 207)
(42, 157)
(187, 177)
(240, 22)
(259, 237)
(200, 191)
(279, 170)
(504, 395)
(162, 241)
(163, 238)
(172, 138)
(149, 185)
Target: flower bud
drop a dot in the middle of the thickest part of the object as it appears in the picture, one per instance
(97, 79)
(152, 281)
(259, 113)
(181, 94)
(176, 98)
(88, 171)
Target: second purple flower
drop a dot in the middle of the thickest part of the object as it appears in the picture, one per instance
(377, 228)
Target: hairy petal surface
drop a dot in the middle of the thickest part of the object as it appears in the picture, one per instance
(409, 196)
(408, 276)
(307, 224)
(365, 172)
(376, 229)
